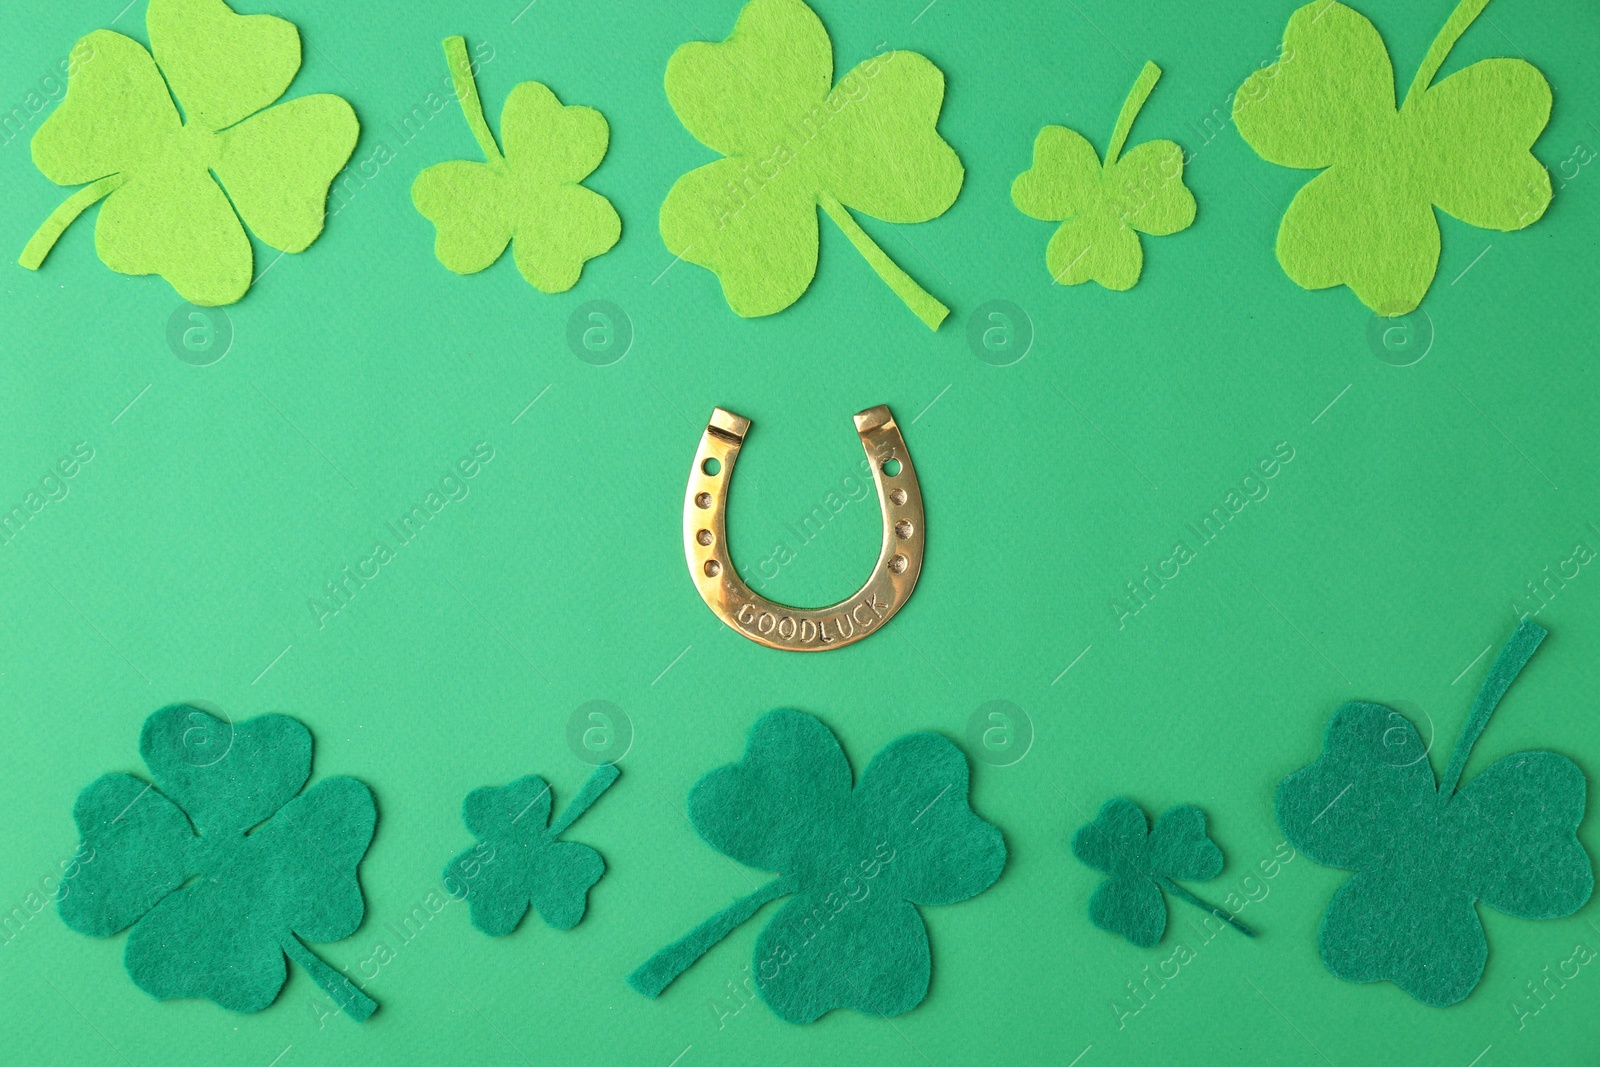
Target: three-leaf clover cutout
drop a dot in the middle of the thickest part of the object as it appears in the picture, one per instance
(793, 141)
(530, 195)
(176, 186)
(1101, 205)
(1142, 862)
(1367, 221)
(1424, 852)
(527, 863)
(217, 864)
(857, 859)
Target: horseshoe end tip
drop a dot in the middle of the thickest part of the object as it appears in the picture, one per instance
(873, 419)
(731, 425)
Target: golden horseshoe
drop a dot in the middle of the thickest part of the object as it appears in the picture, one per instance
(705, 542)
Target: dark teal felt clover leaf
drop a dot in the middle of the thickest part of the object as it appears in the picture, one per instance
(528, 864)
(856, 858)
(1424, 853)
(1142, 862)
(221, 865)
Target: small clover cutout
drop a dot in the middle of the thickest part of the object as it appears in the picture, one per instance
(856, 859)
(1424, 852)
(220, 864)
(1142, 862)
(1463, 145)
(177, 186)
(1101, 205)
(793, 141)
(527, 864)
(530, 196)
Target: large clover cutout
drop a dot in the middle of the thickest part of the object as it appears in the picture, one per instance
(856, 860)
(1461, 145)
(1424, 853)
(177, 185)
(792, 140)
(221, 866)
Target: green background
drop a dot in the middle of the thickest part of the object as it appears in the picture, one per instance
(1389, 553)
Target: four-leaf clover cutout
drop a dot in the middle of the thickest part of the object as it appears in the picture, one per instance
(1101, 205)
(176, 186)
(856, 859)
(217, 864)
(1142, 862)
(1424, 852)
(527, 863)
(793, 141)
(528, 196)
(1367, 221)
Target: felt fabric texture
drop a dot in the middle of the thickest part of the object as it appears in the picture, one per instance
(176, 187)
(1101, 205)
(526, 863)
(1462, 145)
(1424, 853)
(794, 141)
(1142, 862)
(856, 859)
(217, 864)
(528, 196)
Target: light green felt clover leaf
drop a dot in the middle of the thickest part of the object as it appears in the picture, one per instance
(529, 195)
(857, 861)
(527, 862)
(1423, 853)
(1142, 862)
(218, 865)
(176, 187)
(1367, 220)
(1100, 206)
(794, 141)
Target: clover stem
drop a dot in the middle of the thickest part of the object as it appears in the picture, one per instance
(1183, 894)
(1507, 665)
(1142, 85)
(597, 784)
(918, 299)
(658, 972)
(351, 1000)
(1439, 50)
(45, 238)
(455, 56)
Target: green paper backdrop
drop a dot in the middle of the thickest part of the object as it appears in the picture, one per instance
(1389, 552)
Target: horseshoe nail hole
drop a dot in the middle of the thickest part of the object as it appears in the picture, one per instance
(702, 500)
(898, 496)
(704, 537)
(898, 564)
(891, 467)
(712, 466)
(902, 529)
(712, 568)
